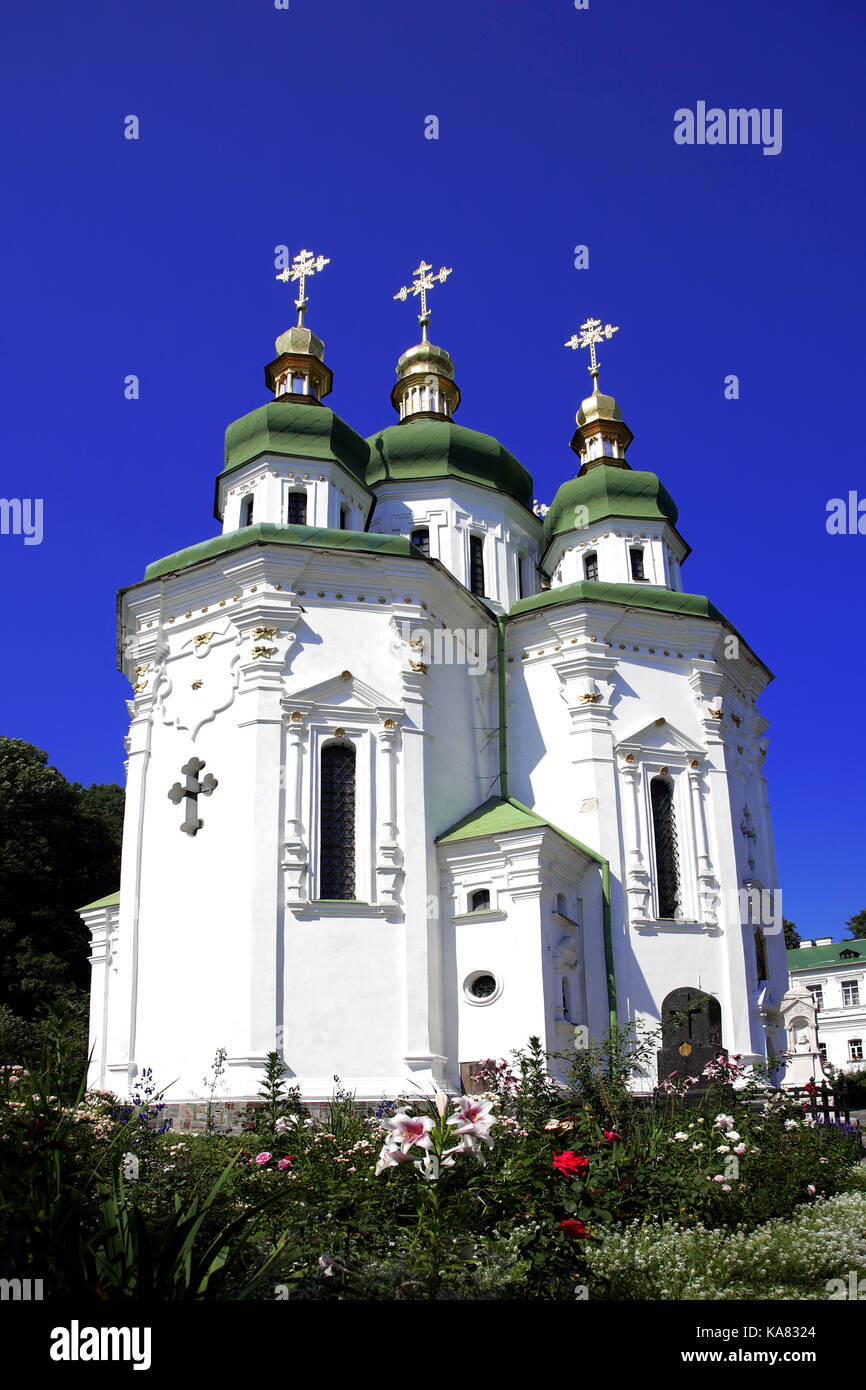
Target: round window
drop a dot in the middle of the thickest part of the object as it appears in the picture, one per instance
(481, 987)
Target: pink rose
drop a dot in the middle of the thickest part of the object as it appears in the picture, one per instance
(263, 1158)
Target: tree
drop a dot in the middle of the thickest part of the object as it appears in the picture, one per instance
(792, 936)
(857, 924)
(59, 848)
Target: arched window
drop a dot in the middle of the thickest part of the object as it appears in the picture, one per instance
(247, 511)
(561, 905)
(337, 821)
(590, 566)
(420, 537)
(297, 384)
(665, 835)
(297, 509)
(636, 557)
(480, 900)
(476, 565)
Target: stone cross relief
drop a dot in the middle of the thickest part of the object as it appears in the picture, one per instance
(190, 792)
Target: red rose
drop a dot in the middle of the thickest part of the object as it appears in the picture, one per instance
(575, 1230)
(570, 1164)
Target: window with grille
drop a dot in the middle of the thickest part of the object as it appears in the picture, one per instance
(761, 955)
(855, 1049)
(476, 565)
(247, 511)
(667, 859)
(421, 539)
(817, 993)
(297, 509)
(337, 822)
(590, 566)
(637, 570)
(480, 900)
(850, 993)
(822, 1051)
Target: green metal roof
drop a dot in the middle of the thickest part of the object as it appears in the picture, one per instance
(813, 957)
(307, 431)
(267, 533)
(635, 595)
(496, 816)
(631, 596)
(429, 448)
(603, 491)
(112, 900)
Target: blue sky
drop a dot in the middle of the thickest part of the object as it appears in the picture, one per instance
(305, 127)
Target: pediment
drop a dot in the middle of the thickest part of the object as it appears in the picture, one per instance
(660, 736)
(343, 691)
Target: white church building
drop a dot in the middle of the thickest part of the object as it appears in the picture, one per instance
(418, 769)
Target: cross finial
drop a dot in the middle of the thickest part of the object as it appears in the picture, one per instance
(420, 285)
(304, 265)
(591, 333)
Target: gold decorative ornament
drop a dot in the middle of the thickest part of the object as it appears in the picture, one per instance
(685, 1049)
(663, 771)
(262, 651)
(592, 332)
(389, 724)
(140, 670)
(589, 699)
(302, 268)
(715, 714)
(200, 638)
(339, 733)
(196, 685)
(419, 666)
(660, 721)
(296, 716)
(263, 633)
(423, 282)
(694, 764)
(187, 615)
(629, 757)
(345, 675)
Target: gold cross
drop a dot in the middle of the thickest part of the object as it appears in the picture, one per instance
(420, 285)
(591, 333)
(304, 265)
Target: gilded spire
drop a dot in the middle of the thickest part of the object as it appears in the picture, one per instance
(591, 333)
(303, 266)
(420, 285)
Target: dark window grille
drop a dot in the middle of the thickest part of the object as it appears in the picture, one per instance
(761, 955)
(480, 901)
(421, 539)
(297, 509)
(337, 875)
(590, 567)
(667, 859)
(483, 986)
(637, 570)
(476, 565)
(247, 515)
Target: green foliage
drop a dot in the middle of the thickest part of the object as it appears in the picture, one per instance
(792, 936)
(59, 848)
(857, 924)
(96, 1205)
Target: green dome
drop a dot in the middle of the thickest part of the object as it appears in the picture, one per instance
(286, 426)
(607, 491)
(426, 448)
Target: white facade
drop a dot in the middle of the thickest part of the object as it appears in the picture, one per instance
(254, 653)
(834, 972)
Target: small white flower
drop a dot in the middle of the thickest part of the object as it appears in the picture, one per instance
(695, 1147)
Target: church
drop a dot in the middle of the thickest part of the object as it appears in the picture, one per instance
(419, 768)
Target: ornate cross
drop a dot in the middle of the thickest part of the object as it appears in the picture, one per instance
(303, 266)
(420, 285)
(591, 333)
(192, 789)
